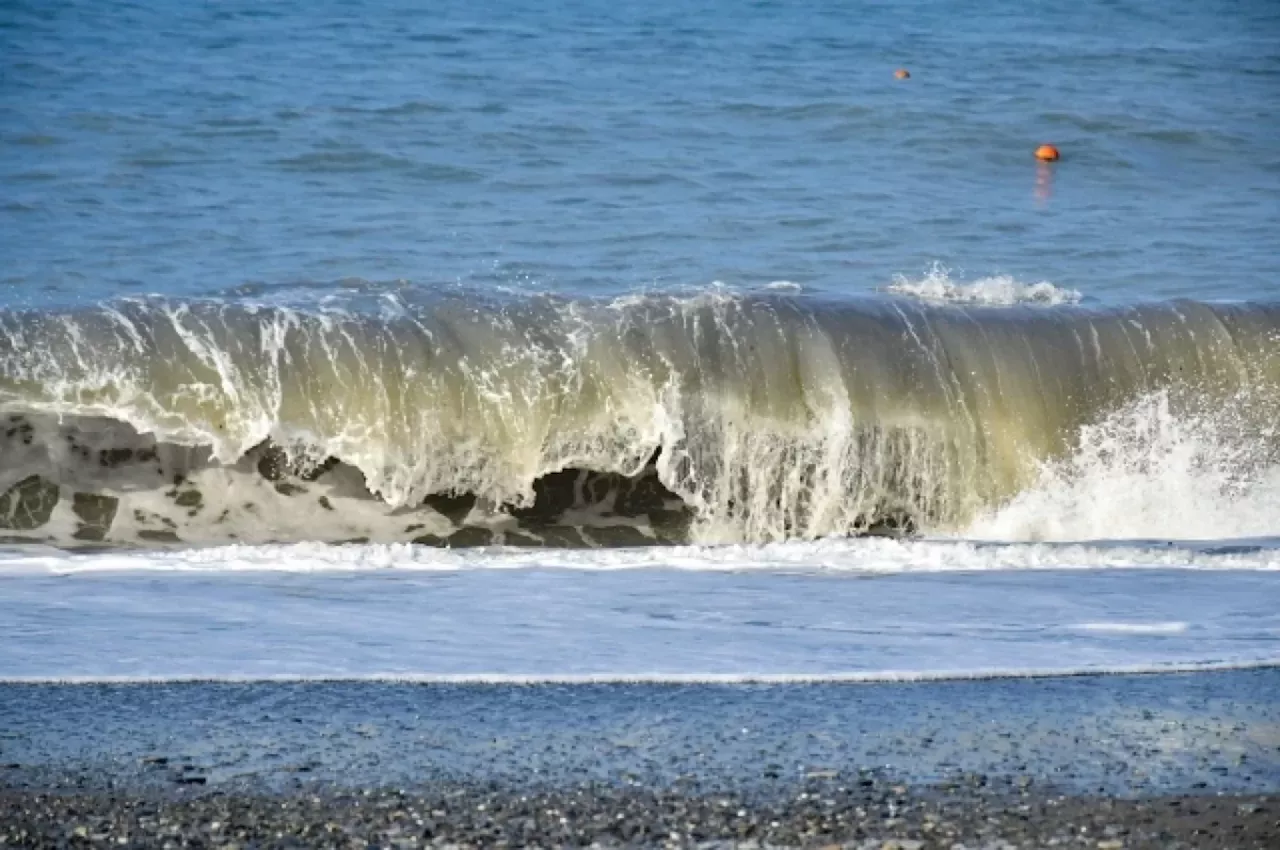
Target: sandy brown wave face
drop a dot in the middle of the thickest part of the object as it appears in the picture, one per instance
(118, 487)
(545, 422)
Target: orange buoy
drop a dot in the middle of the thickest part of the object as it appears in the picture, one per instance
(902, 74)
(1046, 153)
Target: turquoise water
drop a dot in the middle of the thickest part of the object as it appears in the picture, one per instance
(594, 147)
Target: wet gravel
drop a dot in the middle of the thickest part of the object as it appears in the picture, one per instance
(1167, 761)
(1095, 735)
(825, 815)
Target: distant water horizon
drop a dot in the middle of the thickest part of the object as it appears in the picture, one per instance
(605, 148)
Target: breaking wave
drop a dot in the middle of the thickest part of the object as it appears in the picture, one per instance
(712, 418)
(1154, 469)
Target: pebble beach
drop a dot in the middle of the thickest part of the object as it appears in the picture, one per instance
(1159, 761)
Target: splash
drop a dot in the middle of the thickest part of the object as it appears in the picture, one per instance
(1000, 291)
(1150, 471)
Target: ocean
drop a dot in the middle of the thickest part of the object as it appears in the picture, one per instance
(638, 342)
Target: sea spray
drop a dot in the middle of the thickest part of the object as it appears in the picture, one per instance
(938, 284)
(1149, 472)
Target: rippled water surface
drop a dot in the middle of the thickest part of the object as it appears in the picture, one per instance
(592, 147)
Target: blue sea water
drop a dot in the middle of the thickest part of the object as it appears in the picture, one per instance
(602, 147)
(183, 186)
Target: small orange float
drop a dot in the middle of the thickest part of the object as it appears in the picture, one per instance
(902, 74)
(1047, 153)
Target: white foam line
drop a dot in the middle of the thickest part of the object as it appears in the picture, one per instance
(859, 677)
(856, 556)
(1133, 628)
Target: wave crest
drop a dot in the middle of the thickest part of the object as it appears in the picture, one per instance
(712, 418)
(999, 291)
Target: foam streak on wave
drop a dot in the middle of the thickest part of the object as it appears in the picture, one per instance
(714, 418)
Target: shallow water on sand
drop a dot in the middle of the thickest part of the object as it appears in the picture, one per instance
(352, 257)
(1121, 735)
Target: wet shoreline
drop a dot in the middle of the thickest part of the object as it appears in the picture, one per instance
(1147, 761)
(824, 814)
